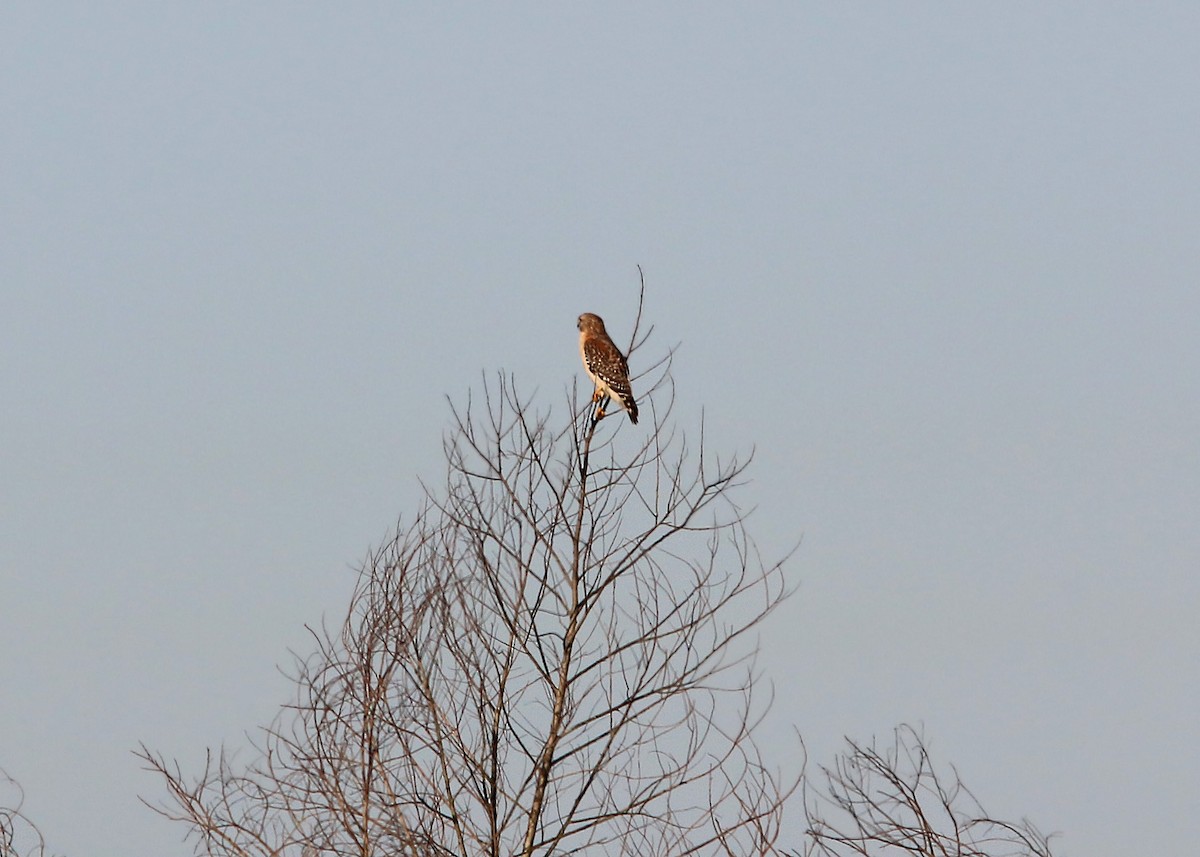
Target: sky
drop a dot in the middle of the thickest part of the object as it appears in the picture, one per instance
(935, 264)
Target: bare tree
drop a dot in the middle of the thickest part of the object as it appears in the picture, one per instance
(554, 657)
(892, 801)
(19, 837)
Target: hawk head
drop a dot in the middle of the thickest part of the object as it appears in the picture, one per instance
(591, 322)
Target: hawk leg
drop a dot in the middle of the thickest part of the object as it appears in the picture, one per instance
(600, 397)
(603, 400)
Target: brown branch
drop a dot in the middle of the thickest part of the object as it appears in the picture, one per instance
(875, 801)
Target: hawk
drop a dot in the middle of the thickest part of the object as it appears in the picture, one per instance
(605, 365)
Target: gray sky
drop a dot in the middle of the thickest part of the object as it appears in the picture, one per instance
(937, 262)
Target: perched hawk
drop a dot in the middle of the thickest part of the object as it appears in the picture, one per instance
(605, 365)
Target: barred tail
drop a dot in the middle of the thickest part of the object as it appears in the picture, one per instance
(630, 405)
